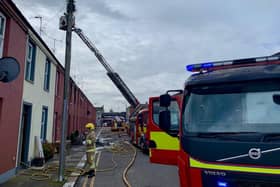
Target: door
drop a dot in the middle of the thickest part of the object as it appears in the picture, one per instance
(25, 133)
(164, 148)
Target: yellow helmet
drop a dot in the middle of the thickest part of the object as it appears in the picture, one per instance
(90, 126)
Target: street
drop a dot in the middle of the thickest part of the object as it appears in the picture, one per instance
(113, 155)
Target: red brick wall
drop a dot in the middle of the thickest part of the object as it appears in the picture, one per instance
(58, 103)
(11, 96)
(78, 115)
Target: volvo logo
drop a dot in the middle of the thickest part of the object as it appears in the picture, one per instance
(255, 153)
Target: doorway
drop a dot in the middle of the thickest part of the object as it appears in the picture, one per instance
(25, 133)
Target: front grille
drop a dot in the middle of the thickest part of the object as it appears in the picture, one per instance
(232, 179)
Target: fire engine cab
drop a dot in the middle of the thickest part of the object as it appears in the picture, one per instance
(230, 124)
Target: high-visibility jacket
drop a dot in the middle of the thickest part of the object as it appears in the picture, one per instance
(142, 129)
(90, 141)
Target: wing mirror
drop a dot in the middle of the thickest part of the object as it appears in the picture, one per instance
(276, 99)
(165, 120)
(165, 100)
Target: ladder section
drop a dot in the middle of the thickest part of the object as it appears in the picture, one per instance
(116, 79)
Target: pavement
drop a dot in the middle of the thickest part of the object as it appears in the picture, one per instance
(74, 164)
(113, 154)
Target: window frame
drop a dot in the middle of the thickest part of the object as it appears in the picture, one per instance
(30, 62)
(57, 83)
(47, 75)
(157, 102)
(2, 34)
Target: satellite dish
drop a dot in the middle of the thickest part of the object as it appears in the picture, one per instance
(9, 69)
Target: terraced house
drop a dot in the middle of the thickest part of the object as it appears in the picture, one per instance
(31, 105)
(13, 37)
(38, 96)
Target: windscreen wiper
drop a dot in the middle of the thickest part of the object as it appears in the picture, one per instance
(238, 136)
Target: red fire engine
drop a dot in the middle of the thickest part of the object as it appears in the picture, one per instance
(230, 124)
(138, 127)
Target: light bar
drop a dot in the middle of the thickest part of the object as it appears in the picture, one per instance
(239, 62)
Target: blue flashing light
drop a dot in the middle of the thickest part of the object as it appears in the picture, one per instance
(198, 67)
(190, 68)
(207, 65)
(222, 184)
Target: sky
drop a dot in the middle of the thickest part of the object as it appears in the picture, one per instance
(150, 42)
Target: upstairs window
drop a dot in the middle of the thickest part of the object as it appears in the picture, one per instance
(57, 83)
(2, 33)
(30, 62)
(47, 75)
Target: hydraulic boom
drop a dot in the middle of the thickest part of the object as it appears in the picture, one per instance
(114, 76)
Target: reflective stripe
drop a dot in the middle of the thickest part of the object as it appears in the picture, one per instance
(90, 150)
(198, 164)
(88, 141)
(145, 129)
(165, 141)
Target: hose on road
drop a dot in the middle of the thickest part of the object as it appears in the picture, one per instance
(124, 175)
(41, 174)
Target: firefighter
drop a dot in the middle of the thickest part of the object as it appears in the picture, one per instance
(90, 150)
(115, 124)
(142, 131)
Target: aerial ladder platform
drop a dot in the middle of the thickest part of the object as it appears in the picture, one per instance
(114, 76)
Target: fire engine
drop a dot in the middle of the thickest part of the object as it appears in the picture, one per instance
(230, 124)
(161, 143)
(138, 123)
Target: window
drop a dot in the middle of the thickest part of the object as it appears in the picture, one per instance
(2, 32)
(174, 114)
(30, 62)
(57, 83)
(47, 75)
(44, 122)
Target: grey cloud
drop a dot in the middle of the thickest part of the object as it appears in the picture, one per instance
(39, 3)
(100, 7)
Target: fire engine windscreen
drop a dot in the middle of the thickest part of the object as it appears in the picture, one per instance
(238, 107)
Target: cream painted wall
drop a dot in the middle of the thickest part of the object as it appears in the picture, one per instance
(35, 94)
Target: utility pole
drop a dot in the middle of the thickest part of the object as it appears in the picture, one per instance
(41, 18)
(66, 23)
